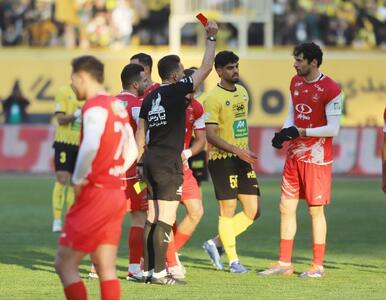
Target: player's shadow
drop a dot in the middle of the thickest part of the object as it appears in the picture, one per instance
(33, 260)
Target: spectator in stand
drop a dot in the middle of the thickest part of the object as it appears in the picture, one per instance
(14, 107)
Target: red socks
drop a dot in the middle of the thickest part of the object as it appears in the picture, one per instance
(110, 290)
(180, 240)
(135, 245)
(286, 250)
(171, 254)
(76, 291)
(318, 251)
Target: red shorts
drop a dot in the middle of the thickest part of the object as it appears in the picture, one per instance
(94, 219)
(307, 181)
(135, 202)
(190, 188)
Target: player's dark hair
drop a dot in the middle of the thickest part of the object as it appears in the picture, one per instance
(167, 65)
(89, 64)
(310, 52)
(225, 57)
(131, 73)
(144, 59)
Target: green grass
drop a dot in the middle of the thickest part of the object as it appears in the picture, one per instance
(355, 261)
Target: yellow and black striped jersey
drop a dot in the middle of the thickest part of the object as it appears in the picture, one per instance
(67, 103)
(229, 110)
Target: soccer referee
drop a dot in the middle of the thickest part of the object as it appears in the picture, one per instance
(163, 115)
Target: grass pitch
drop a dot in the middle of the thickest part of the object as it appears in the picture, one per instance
(355, 261)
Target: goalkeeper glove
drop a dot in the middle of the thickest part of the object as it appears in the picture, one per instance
(286, 134)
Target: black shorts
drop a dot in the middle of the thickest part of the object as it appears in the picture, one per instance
(163, 175)
(65, 156)
(232, 176)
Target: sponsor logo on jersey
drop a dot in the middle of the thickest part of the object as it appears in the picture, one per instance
(238, 110)
(319, 88)
(157, 114)
(304, 110)
(315, 97)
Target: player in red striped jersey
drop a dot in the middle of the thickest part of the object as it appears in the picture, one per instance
(134, 83)
(107, 149)
(146, 62)
(313, 120)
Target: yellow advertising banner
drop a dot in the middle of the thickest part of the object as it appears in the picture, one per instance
(265, 75)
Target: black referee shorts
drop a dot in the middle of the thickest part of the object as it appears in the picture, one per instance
(65, 156)
(232, 176)
(163, 175)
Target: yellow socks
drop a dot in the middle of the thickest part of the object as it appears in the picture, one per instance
(70, 197)
(58, 200)
(240, 223)
(228, 238)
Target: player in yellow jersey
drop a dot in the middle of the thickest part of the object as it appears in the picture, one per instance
(230, 161)
(67, 138)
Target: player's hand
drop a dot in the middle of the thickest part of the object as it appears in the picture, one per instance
(246, 155)
(286, 134)
(211, 28)
(78, 188)
(139, 172)
(278, 140)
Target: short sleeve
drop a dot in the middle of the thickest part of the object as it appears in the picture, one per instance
(61, 101)
(212, 110)
(384, 120)
(199, 118)
(184, 86)
(145, 107)
(333, 91)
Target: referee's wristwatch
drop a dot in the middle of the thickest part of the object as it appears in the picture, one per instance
(211, 38)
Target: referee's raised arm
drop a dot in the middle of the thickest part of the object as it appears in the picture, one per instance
(203, 71)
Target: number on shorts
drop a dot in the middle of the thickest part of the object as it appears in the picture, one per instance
(62, 157)
(233, 181)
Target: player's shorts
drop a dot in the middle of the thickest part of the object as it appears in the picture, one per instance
(65, 156)
(307, 181)
(135, 201)
(94, 219)
(163, 175)
(190, 188)
(232, 176)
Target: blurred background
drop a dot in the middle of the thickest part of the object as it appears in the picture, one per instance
(39, 38)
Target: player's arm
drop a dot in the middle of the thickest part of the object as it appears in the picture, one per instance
(214, 139)
(94, 123)
(197, 146)
(61, 106)
(140, 137)
(208, 59)
(384, 159)
(333, 111)
(64, 119)
(131, 150)
(289, 121)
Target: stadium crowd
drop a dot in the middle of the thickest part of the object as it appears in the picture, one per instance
(83, 23)
(357, 23)
(101, 23)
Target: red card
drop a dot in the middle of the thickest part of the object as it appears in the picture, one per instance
(202, 19)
